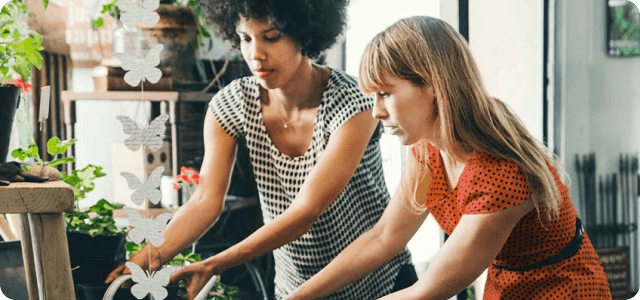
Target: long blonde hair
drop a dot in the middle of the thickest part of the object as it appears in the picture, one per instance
(427, 50)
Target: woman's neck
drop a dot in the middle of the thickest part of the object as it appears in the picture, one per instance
(304, 90)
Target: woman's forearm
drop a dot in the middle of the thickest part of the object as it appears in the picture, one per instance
(362, 257)
(188, 224)
(284, 229)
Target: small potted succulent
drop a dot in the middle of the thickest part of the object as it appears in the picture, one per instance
(19, 53)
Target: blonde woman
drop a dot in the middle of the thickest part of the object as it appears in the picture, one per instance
(476, 169)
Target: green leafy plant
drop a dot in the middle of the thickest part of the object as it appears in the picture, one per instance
(627, 29)
(101, 224)
(19, 46)
(82, 181)
(204, 30)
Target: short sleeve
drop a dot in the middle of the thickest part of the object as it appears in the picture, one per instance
(228, 107)
(490, 185)
(344, 100)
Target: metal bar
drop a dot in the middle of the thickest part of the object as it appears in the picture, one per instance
(634, 220)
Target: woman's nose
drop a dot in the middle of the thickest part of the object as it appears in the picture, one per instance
(379, 111)
(257, 51)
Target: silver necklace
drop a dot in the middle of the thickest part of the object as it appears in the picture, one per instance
(286, 123)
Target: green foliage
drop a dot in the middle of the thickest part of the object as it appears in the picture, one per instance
(110, 8)
(627, 29)
(55, 147)
(19, 46)
(471, 293)
(82, 180)
(224, 292)
(204, 30)
(102, 224)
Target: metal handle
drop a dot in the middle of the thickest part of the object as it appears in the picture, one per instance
(115, 285)
(207, 288)
(113, 288)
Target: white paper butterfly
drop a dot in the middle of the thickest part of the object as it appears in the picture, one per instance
(136, 12)
(148, 136)
(148, 190)
(141, 69)
(146, 228)
(146, 283)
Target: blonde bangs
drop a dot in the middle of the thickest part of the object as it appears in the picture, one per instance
(371, 66)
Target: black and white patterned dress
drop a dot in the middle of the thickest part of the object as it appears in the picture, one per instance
(279, 178)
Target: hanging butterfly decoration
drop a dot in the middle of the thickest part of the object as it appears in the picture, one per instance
(135, 12)
(148, 190)
(148, 136)
(153, 283)
(146, 228)
(141, 69)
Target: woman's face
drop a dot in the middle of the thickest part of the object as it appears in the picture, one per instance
(406, 110)
(272, 57)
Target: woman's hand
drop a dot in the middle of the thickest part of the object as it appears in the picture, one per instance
(148, 258)
(195, 277)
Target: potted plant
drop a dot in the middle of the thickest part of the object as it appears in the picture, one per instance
(19, 53)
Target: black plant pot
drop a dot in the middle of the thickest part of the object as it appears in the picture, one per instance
(92, 258)
(95, 291)
(9, 101)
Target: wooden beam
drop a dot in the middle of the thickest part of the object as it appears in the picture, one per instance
(30, 197)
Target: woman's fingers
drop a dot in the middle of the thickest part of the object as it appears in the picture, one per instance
(181, 274)
(117, 272)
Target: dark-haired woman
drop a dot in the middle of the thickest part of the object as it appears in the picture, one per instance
(313, 147)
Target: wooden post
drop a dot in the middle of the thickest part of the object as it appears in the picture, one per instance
(27, 257)
(53, 269)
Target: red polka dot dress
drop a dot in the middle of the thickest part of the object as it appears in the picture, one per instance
(490, 184)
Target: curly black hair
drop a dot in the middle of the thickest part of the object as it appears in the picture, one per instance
(314, 24)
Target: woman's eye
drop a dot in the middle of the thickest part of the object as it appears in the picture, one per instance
(272, 38)
(383, 94)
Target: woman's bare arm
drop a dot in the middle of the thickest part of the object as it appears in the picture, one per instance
(375, 247)
(323, 185)
(470, 249)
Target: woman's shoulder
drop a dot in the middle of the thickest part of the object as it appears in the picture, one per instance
(343, 85)
(495, 182)
(239, 89)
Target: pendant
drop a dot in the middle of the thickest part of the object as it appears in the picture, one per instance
(285, 125)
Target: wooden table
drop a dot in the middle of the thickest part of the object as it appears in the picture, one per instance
(44, 240)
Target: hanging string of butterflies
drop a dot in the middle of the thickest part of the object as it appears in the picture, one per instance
(144, 228)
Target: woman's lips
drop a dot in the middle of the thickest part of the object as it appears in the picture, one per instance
(390, 129)
(263, 72)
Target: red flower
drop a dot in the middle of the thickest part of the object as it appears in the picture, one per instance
(19, 82)
(188, 176)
